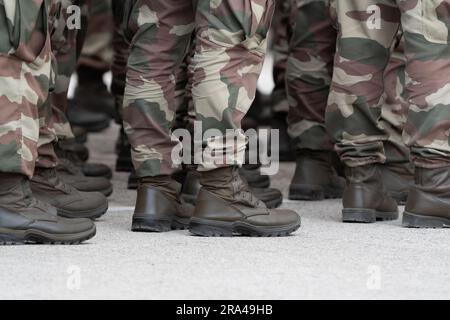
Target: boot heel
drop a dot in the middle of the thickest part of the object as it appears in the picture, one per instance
(411, 220)
(150, 225)
(210, 229)
(359, 215)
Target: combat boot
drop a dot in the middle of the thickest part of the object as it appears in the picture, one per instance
(24, 219)
(72, 152)
(73, 175)
(428, 204)
(252, 174)
(398, 180)
(133, 181)
(286, 145)
(70, 203)
(315, 178)
(90, 120)
(226, 206)
(80, 151)
(365, 198)
(123, 151)
(91, 92)
(272, 197)
(81, 134)
(159, 207)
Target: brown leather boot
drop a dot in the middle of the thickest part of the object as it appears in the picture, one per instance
(24, 219)
(398, 180)
(365, 199)
(226, 206)
(428, 203)
(159, 207)
(315, 178)
(71, 203)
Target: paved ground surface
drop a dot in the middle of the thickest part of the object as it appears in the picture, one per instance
(324, 259)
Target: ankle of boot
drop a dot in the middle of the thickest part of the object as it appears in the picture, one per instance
(165, 184)
(218, 178)
(9, 181)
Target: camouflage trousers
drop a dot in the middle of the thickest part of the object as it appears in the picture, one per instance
(367, 29)
(309, 74)
(31, 35)
(25, 70)
(66, 45)
(281, 34)
(230, 45)
(97, 49)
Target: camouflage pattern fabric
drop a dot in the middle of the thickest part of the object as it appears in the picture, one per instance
(35, 119)
(121, 53)
(97, 50)
(367, 29)
(281, 33)
(309, 72)
(25, 70)
(394, 109)
(65, 39)
(229, 51)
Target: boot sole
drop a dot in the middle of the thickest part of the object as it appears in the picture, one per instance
(305, 193)
(208, 228)
(14, 237)
(90, 214)
(150, 224)
(411, 220)
(367, 215)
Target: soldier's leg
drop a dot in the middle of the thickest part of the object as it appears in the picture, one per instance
(25, 62)
(53, 122)
(394, 110)
(158, 47)
(398, 171)
(230, 49)
(308, 79)
(69, 191)
(25, 69)
(160, 33)
(95, 60)
(366, 32)
(92, 107)
(427, 49)
(281, 37)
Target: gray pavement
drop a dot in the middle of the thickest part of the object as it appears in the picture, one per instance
(325, 259)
